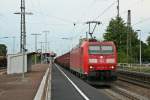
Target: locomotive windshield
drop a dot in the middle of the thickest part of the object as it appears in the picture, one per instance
(95, 49)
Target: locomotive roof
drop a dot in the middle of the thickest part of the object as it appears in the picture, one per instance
(98, 42)
(85, 41)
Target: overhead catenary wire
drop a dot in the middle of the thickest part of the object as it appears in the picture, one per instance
(70, 21)
(105, 10)
(141, 21)
(42, 12)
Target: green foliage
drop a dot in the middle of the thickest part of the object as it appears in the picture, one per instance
(148, 40)
(117, 32)
(122, 57)
(146, 54)
(3, 50)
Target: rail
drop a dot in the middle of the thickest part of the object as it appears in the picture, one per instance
(125, 93)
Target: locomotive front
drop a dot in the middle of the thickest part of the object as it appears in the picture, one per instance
(102, 61)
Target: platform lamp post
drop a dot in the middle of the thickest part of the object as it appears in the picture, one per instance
(140, 48)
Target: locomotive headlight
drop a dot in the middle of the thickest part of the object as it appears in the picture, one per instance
(92, 60)
(91, 67)
(112, 67)
(110, 60)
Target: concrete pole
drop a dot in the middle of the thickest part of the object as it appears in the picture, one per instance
(118, 8)
(129, 34)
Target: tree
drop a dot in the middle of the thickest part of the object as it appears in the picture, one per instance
(117, 31)
(3, 50)
(148, 40)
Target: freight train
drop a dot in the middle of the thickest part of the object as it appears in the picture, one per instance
(92, 60)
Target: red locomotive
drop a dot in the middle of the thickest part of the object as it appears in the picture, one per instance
(96, 61)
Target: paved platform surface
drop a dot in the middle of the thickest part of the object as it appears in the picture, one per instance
(62, 89)
(12, 87)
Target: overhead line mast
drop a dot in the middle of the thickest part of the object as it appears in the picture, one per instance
(23, 33)
(23, 14)
(23, 27)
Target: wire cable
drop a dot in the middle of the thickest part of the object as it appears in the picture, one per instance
(105, 10)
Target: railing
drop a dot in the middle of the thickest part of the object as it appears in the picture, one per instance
(42, 93)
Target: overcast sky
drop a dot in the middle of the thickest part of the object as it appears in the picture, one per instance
(58, 17)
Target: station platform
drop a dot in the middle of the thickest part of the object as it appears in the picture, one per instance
(13, 87)
(66, 86)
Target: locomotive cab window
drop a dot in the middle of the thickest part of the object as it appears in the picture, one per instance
(100, 49)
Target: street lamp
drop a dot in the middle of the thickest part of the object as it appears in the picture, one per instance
(140, 47)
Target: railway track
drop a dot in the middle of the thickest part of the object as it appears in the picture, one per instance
(140, 79)
(125, 94)
(136, 79)
(130, 80)
(121, 93)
